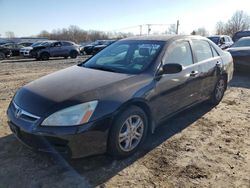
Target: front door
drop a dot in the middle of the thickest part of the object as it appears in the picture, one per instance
(176, 91)
(56, 49)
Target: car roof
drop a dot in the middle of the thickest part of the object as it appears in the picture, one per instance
(218, 36)
(243, 38)
(164, 37)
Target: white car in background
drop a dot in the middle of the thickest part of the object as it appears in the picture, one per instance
(26, 50)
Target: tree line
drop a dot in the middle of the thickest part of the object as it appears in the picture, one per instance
(238, 22)
(76, 34)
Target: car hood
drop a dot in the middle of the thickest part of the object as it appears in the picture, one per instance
(26, 48)
(65, 87)
(101, 45)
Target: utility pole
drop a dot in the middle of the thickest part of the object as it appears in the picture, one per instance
(149, 29)
(177, 27)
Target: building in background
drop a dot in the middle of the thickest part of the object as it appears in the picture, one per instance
(22, 39)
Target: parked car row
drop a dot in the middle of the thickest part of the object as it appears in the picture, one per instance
(43, 50)
(96, 46)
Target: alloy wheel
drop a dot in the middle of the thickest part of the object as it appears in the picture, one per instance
(220, 88)
(131, 133)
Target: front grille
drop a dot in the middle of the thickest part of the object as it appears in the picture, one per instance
(22, 114)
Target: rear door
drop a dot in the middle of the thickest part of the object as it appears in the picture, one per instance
(209, 63)
(66, 48)
(56, 49)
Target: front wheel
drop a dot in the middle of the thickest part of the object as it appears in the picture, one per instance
(73, 54)
(219, 91)
(128, 132)
(45, 56)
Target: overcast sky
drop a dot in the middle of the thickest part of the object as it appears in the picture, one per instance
(29, 17)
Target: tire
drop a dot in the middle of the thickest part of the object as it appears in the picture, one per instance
(128, 132)
(2, 56)
(73, 54)
(65, 57)
(219, 90)
(44, 56)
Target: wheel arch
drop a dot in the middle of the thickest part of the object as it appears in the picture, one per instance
(141, 103)
(225, 75)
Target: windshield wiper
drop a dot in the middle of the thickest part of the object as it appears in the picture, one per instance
(103, 68)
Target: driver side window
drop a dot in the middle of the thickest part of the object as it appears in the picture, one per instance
(57, 44)
(180, 53)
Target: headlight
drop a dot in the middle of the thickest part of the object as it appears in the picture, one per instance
(74, 115)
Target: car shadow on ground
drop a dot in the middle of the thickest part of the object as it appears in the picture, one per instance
(98, 169)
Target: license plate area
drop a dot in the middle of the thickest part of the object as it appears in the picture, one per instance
(15, 129)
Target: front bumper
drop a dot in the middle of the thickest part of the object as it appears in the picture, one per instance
(74, 142)
(25, 53)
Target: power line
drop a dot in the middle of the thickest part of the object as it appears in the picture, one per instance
(140, 27)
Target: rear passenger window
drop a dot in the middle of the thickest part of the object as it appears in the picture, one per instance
(66, 43)
(202, 50)
(215, 53)
(179, 52)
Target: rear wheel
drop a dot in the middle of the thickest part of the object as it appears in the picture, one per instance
(128, 132)
(73, 54)
(219, 90)
(2, 56)
(45, 56)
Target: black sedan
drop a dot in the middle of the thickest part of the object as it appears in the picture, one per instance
(112, 100)
(4, 53)
(98, 48)
(15, 48)
(241, 54)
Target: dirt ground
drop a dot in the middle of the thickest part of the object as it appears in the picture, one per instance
(201, 147)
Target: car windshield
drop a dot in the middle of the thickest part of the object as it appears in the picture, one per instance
(36, 44)
(130, 57)
(244, 42)
(214, 39)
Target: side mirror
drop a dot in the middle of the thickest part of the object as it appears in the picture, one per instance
(171, 68)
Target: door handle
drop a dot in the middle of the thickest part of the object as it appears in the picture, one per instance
(193, 73)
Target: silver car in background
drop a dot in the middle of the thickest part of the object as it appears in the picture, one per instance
(56, 49)
(25, 52)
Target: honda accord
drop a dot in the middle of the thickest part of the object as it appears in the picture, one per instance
(114, 99)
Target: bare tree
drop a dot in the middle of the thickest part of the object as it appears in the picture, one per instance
(45, 34)
(220, 28)
(9, 34)
(201, 31)
(193, 32)
(239, 21)
(171, 29)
